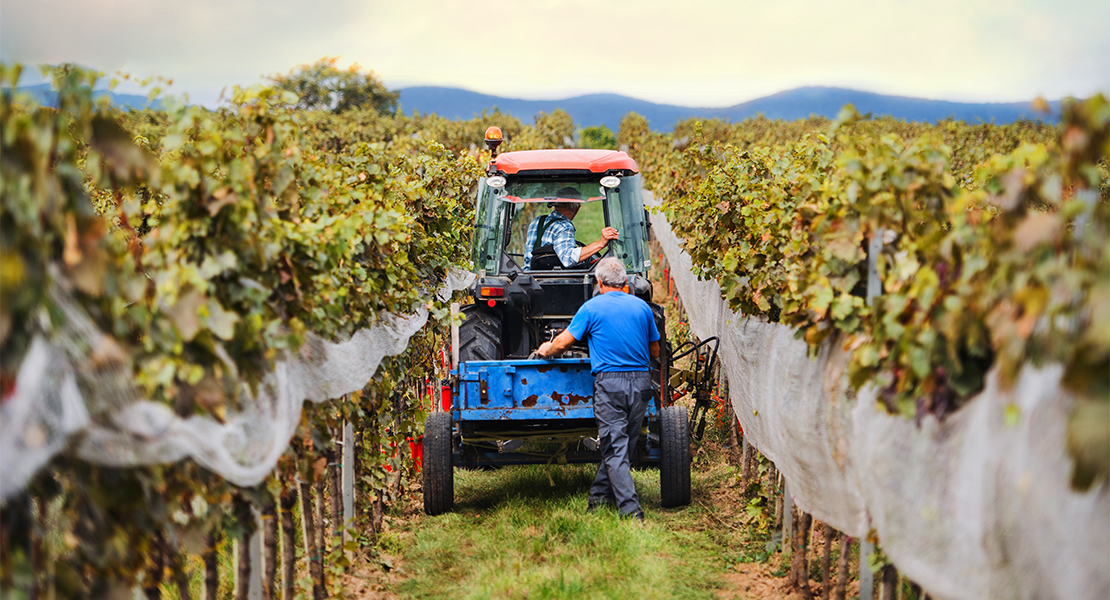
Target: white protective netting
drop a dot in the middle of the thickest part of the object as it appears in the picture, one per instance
(969, 508)
(63, 380)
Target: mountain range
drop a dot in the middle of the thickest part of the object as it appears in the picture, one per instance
(45, 95)
(609, 109)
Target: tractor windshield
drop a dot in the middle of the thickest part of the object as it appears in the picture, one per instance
(505, 214)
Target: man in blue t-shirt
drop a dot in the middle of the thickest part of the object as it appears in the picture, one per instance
(621, 333)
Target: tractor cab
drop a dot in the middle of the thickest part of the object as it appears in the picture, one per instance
(532, 294)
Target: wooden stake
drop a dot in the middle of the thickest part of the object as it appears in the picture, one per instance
(889, 580)
(311, 543)
(153, 584)
(181, 575)
(799, 568)
(269, 546)
(243, 551)
(321, 531)
(38, 567)
(336, 500)
(288, 544)
(866, 577)
(787, 518)
(348, 476)
(746, 461)
(211, 568)
(826, 560)
(842, 568)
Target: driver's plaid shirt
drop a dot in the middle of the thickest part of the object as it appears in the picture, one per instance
(559, 233)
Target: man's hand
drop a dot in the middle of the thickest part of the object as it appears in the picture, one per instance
(589, 250)
(556, 347)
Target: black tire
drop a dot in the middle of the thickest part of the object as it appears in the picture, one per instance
(674, 472)
(439, 477)
(479, 334)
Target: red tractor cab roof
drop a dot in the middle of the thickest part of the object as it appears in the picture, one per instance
(595, 161)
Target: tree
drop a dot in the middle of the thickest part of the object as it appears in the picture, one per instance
(324, 86)
(600, 137)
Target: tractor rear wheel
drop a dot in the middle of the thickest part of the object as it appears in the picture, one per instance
(479, 334)
(439, 477)
(674, 472)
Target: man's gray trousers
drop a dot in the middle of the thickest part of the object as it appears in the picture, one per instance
(620, 401)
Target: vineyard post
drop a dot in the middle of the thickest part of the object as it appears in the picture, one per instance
(799, 568)
(181, 576)
(348, 477)
(336, 497)
(37, 544)
(826, 560)
(874, 284)
(787, 519)
(312, 550)
(866, 577)
(745, 460)
(255, 548)
(842, 568)
(321, 525)
(889, 579)
(454, 335)
(288, 548)
(211, 566)
(269, 544)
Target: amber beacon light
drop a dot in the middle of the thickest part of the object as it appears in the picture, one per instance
(493, 139)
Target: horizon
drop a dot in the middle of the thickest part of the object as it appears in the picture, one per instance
(127, 87)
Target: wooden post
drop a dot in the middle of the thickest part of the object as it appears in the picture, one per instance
(874, 284)
(889, 578)
(746, 461)
(348, 476)
(733, 440)
(454, 335)
(181, 574)
(243, 563)
(336, 499)
(799, 568)
(269, 547)
(321, 531)
(787, 519)
(153, 584)
(866, 577)
(312, 550)
(842, 568)
(826, 560)
(248, 549)
(254, 554)
(211, 568)
(288, 543)
(42, 584)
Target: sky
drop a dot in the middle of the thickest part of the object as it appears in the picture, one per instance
(693, 52)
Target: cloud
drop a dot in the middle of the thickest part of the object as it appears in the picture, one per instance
(704, 52)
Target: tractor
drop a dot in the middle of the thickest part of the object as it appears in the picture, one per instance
(507, 406)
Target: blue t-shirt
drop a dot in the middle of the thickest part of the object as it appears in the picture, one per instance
(618, 328)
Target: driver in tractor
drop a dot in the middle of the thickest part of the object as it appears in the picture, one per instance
(550, 242)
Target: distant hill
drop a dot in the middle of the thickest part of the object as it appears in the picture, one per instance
(609, 109)
(45, 95)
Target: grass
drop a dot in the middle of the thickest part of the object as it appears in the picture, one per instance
(523, 532)
(515, 535)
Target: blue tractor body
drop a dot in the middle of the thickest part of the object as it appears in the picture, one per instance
(521, 400)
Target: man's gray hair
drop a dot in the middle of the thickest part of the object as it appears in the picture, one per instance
(611, 272)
